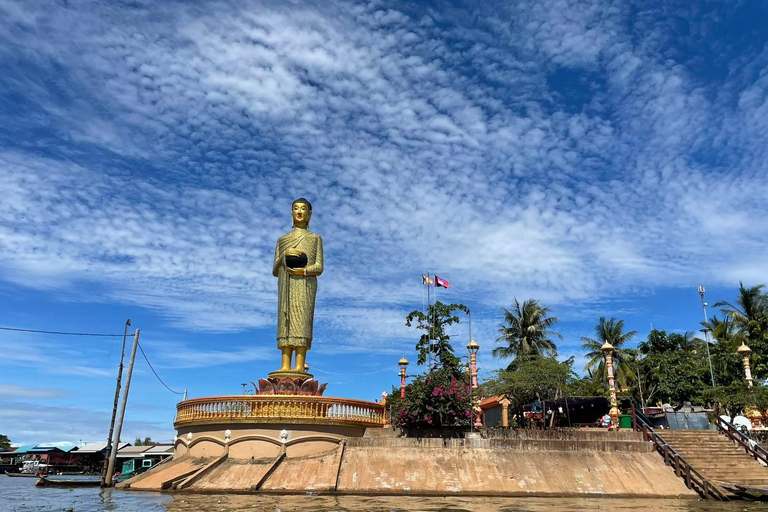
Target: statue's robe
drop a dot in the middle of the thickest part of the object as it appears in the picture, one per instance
(296, 294)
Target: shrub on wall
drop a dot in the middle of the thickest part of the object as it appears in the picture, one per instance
(440, 398)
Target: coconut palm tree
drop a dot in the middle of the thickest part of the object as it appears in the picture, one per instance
(527, 331)
(611, 331)
(750, 313)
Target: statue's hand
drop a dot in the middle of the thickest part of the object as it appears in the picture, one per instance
(296, 271)
(292, 252)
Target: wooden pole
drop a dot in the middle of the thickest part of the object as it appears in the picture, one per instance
(108, 448)
(121, 416)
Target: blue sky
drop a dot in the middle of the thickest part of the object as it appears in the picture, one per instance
(602, 156)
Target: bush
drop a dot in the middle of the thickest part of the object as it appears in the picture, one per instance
(441, 398)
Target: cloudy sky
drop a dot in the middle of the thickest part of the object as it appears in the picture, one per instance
(602, 156)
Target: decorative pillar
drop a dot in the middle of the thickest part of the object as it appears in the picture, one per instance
(614, 413)
(384, 396)
(473, 347)
(744, 352)
(752, 412)
(504, 411)
(403, 365)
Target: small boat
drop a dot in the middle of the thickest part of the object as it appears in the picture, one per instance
(47, 481)
(745, 491)
(28, 475)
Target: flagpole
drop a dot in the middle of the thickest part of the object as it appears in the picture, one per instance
(434, 311)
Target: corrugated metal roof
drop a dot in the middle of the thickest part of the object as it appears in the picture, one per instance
(97, 447)
(159, 448)
(22, 449)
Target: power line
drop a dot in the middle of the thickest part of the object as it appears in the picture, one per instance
(156, 375)
(18, 329)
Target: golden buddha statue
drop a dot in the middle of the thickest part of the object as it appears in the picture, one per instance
(298, 262)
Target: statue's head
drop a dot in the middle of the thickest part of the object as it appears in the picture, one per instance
(301, 212)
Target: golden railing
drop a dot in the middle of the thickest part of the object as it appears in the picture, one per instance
(317, 410)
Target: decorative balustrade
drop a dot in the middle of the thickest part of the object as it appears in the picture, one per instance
(317, 410)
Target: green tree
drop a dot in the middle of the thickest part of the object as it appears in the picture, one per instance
(527, 331)
(672, 368)
(435, 341)
(5, 442)
(610, 331)
(531, 378)
(750, 316)
(138, 442)
(148, 441)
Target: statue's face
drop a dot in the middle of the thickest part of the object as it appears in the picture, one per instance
(301, 215)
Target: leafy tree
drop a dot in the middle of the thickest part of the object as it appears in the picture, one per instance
(148, 441)
(611, 331)
(750, 316)
(736, 397)
(441, 398)
(527, 331)
(138, 442)
(435, 341)
(531, 378)
(673, 369)
(5, 442)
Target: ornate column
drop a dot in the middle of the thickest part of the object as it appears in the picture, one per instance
(614, 413)
(384, 396)
(752, 412)
(473, 347)
(744, 352)
(403, 365)
(504, 411)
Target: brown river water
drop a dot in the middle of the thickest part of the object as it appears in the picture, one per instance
(20, 494)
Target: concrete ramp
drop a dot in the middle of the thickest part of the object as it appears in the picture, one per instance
(161, 478)
(234, 475)
(314, 473)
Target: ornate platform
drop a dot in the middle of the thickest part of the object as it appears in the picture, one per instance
(280, 409)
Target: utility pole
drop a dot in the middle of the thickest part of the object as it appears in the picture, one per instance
(119, 428)
(706, 332)
(114, 407)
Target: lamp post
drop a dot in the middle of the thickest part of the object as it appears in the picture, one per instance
(473, 347)
(614, 413)
(752, 412)
(744, 352)
(403, 365)
(706, 332)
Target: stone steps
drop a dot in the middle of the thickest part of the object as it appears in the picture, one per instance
(716, 457)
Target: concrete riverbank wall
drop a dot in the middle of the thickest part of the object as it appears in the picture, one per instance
(589, 463)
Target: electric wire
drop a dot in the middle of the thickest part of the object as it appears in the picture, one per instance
(153, 371)
(37, 331)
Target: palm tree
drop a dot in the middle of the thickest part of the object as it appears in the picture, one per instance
(527, 331)
(611, 331)
(750, 314)
(724, 331)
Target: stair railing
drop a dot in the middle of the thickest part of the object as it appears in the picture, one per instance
(693, 479)
(752, 448)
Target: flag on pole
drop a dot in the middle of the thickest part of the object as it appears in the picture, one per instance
(426, 280)
(442, 282)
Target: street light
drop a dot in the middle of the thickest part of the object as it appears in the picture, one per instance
(403, 365)
(706, 332)
(473, 347)
(607, 349)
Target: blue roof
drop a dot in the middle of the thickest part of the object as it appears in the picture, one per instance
(23, 449)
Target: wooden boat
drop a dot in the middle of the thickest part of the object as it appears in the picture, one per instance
(27, 475)
(46, 481)
(745, 491)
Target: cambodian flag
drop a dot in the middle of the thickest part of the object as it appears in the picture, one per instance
(442, 282)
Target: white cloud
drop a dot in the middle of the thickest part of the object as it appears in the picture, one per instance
(424, 146)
